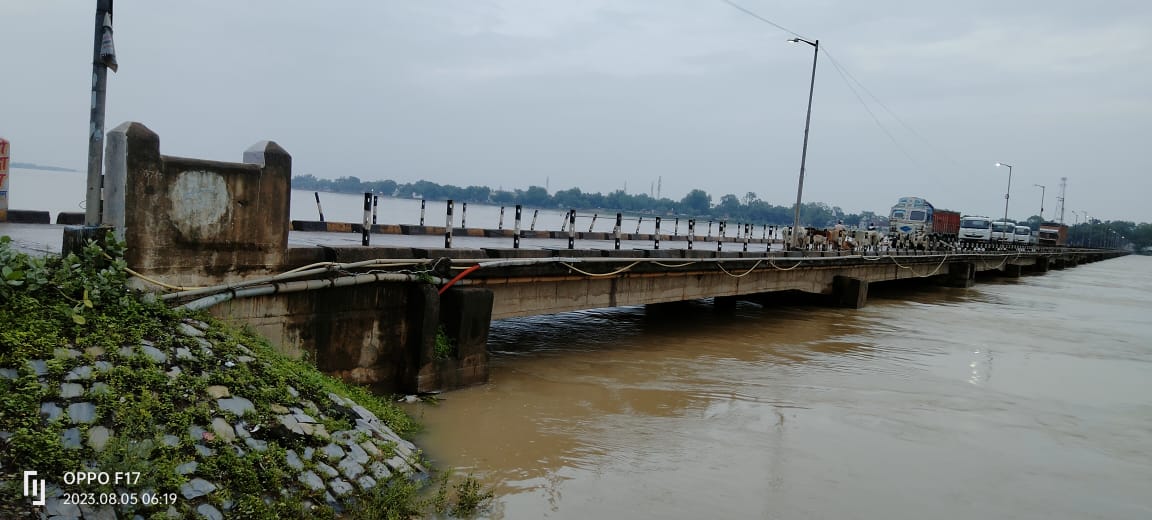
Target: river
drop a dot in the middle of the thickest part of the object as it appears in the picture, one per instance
(1026, 398)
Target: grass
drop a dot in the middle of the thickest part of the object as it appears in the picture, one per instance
(76, 311)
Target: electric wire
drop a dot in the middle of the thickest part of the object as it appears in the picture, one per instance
(753, 14)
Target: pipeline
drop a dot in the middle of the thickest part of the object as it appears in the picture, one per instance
(299, 272)
(303, 285)
(458, 277)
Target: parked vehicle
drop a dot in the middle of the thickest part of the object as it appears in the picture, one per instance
(1003, 231)
(1053, 234)
(913, 215)
(1022, 235)
(975, 229)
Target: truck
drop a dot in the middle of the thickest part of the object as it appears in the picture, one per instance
(1022, 235)
(914, 214)
(975, 228)
(1003, 230)
(1053, 234)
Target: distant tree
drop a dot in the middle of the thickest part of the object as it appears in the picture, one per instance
(571, 198)
(349, 184)
(697, 202)
(536, 196)
(384, 187)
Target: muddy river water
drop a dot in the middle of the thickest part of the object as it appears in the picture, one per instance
(1026, 398)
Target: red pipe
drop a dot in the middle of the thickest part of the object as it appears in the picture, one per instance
(457, 278)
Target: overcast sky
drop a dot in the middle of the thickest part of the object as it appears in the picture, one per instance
(599, 94)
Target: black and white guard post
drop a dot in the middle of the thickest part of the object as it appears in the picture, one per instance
(616, 230)
(448, 226)
(516, 231)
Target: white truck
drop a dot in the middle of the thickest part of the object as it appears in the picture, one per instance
(1003, 231)
(1023, 235)
(975, 229)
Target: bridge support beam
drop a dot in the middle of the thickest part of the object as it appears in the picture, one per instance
(960, 274)
(1041, 265)
(1012, 271)
(849, 292)
(459, 356)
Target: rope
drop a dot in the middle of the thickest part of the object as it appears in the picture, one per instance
(746, 273)
(594, 275)
(773, 264)
(934, 271)
(158, 282)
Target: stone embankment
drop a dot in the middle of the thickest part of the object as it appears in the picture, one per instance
(215, 427)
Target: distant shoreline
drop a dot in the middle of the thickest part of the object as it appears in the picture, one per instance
(31, 166)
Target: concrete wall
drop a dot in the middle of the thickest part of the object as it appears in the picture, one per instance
(373, 335)
(197, 222)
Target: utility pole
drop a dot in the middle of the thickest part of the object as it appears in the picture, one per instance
(103, 58)
(1060, 199)
(807, 123)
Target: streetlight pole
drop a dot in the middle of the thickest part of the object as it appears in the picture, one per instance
(1009, 192)
(807, 123)
(1042, 190)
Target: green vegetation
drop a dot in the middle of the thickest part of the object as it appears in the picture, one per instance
(445, 348)
(403, 498)
(60, 316)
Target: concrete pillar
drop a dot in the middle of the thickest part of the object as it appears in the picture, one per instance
(849, 292)
(1011, 271)
(116, 175)
(960, 274)
(1041, 265)
(465, 316)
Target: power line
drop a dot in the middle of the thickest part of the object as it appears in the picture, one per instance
(849, 79)
(890, 112)
(761, 18)
(842, 73)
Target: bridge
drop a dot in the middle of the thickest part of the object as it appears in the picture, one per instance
(412, 313)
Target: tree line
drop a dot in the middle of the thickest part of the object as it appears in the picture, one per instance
(696, 204)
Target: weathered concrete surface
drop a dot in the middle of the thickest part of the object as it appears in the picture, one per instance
(466, 314)
(372, 335)
(193, 221)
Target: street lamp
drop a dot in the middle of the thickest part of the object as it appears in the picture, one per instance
(807, 122)
(1042, 190)
(1009, 192)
